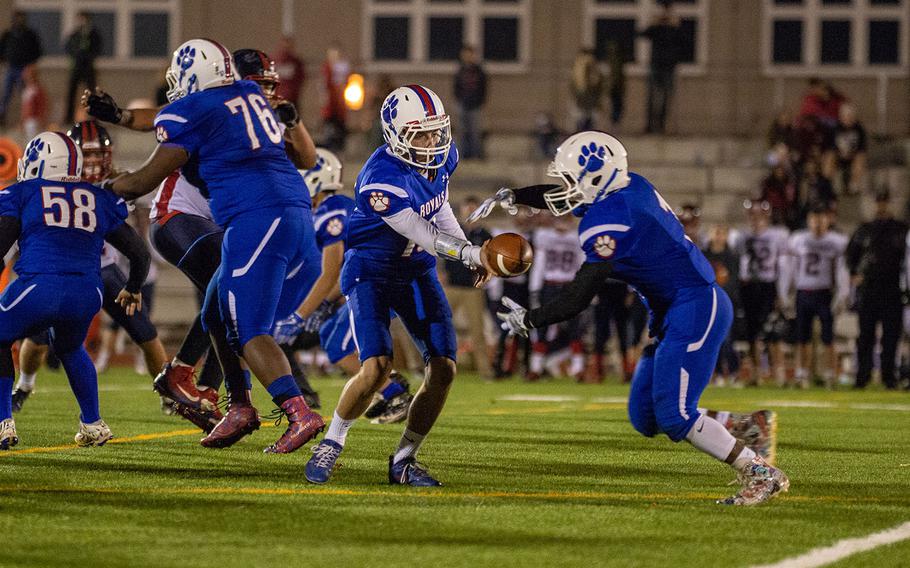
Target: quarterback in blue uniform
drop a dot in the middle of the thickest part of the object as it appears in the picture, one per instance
(402, 221)
(223, 131)
(628, 232)
(61, 224)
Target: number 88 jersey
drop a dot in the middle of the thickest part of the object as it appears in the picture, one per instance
(63, 224)
(236, 146)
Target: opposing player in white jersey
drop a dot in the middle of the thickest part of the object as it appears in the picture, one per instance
(760, 247)
(556, 260)
(816, 268)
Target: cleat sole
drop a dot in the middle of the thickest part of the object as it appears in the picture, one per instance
(221, 443)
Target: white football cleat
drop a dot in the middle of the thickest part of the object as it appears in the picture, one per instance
(8, 436)
(94, 434)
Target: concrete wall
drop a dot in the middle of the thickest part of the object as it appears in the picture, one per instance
(732, 96)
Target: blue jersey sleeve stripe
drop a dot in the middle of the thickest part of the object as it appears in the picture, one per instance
(320, 221)
(169, 116)
(385, 187)
(598, 229)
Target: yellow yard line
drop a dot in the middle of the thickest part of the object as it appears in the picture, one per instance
(421, 493)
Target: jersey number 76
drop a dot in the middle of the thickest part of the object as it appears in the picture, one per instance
(263, 113)
(77, 212)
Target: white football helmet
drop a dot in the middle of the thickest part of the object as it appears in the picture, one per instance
(197, 65)
(51, 155)
(325, 175)
(591, 164)
(416, 127)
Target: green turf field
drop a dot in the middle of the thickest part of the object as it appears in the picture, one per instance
(528, 483)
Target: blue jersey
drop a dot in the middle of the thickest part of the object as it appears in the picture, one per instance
(386, 186)
(636, 231)
(63, 225)
(236, 150)
(331, 220)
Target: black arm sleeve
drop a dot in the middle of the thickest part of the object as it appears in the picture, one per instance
(532, 196)
(9, 233)
(573, 298)
(125, 239)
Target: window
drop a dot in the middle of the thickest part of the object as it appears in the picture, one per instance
(428, 35)
(858, 37)
(132, 31)
(615, 23)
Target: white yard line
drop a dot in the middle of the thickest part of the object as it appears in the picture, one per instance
(538, 398)
(843, 548)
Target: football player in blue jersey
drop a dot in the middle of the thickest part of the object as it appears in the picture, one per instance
(61, 224)
(628, 232)
(224, 131)
(402, 221)
(97, 164)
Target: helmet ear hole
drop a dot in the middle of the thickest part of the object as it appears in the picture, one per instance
(596, 181)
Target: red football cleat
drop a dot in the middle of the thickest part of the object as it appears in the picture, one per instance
(176, 383)
(239, 421)
(205, 420)
(303, 426)
(209, 401)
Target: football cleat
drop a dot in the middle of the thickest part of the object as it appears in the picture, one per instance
(19, 398)
(319, 469)
(396, 410)
(203, 419)
(760, 482)
(168, 406)
(209, 401)
(410, 472)
(94, 434)
(8, 436)
(240, 420)
(377, 407)
(303, 426)
(757, 431)
(176, 383)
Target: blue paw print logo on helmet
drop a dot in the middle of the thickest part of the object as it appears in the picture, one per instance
(31, 152)
(591, 158)
(185, 58)
(390, 111)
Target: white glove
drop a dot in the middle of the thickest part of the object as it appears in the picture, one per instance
(513, 320)
(505, 198)
(287, 330)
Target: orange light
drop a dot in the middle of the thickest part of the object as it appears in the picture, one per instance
(353, 92)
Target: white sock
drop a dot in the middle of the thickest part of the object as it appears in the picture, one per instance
(537, 361)
(338, 429)
(26, 381)
(408, 446)
(710, 436)
(744, 458)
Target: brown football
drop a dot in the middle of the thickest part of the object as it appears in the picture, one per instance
(509, 254)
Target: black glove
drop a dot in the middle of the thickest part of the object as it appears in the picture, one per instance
(287, 114)
(104, 108)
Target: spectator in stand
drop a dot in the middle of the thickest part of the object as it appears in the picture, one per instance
(467, 299)
(34, 103)
(471, 93)
(822, 102)
(815, 189)
(666, 37)
(875, 258)
(850, 149)
(335, 72)
(83, 46)
(19, 48)
(547, 134)
(812, 141)
(616, 63)
(587, 88)
(781, 131)
(290, 69)
(725, 262)
(779, 190)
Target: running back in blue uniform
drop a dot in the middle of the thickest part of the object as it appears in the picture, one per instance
(384, 271)
(628, 232)
(255, 193)
(637, 233)
(62, 230)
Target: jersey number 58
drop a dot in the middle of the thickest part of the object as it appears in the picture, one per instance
(77, 212)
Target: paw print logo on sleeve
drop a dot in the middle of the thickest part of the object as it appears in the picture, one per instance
(605, 246)
(335, 227)
(379, 202)
(591, 158)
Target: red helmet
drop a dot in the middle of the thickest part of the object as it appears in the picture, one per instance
(256, 65)
(97, 150)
